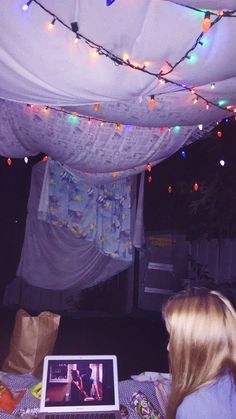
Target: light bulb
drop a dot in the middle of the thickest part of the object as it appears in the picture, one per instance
(26, 5)
(206, 24)
(196, 186)
(152, 102)
(52, 24)
(96, 107)
(76, 40)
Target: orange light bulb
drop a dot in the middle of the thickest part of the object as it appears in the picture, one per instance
(152, 102)
(206, 24)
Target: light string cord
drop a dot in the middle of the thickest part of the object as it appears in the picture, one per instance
(225, 13)
(120, 61)
(91, 118)
(186, 55)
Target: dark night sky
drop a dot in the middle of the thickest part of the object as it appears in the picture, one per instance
(167, 211)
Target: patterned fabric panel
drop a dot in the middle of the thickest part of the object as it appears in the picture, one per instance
(98, 213)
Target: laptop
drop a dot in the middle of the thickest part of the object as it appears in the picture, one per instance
(79, 386)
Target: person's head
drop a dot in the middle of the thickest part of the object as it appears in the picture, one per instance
(75, 374)
(202, 340)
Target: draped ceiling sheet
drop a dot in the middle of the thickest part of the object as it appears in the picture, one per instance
(119, 136)
(47, 68)
(94, 154)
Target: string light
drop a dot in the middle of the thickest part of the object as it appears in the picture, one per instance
(100, 50)
(26, 5)
(152, 102)
(76, 40)
(169, 189)
(219, 134)
(213, 85)
(200, 126)
(195, 100)
(222, 102)
(176, 128)
(149, 167)
(183, 154)
(207, 106)
(74, 26)
(149, 179)
(26, 160)
(9, 161)
(51, 24)
(75, 29)
(126, 57)
(73, 117)
(96, 107)
(45, 158)
(222, 163)
(206, 24)
(101, 121)
(196, 186)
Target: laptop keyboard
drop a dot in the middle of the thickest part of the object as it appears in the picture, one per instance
(82, 416)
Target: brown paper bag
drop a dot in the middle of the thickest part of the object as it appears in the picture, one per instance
(32, 339)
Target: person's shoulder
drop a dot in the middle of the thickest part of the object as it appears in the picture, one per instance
(210, 399)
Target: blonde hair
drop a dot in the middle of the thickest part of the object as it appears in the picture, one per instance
(202, 341)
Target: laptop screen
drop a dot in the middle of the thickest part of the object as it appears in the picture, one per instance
(79, 384)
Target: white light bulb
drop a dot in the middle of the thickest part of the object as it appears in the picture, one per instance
(222, 162)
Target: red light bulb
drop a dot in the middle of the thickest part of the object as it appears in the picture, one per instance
(149, 167)
(196, 186)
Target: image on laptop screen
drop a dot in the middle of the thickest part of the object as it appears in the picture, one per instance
(80, 383)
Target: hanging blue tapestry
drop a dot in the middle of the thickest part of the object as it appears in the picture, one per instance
(99, 213)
